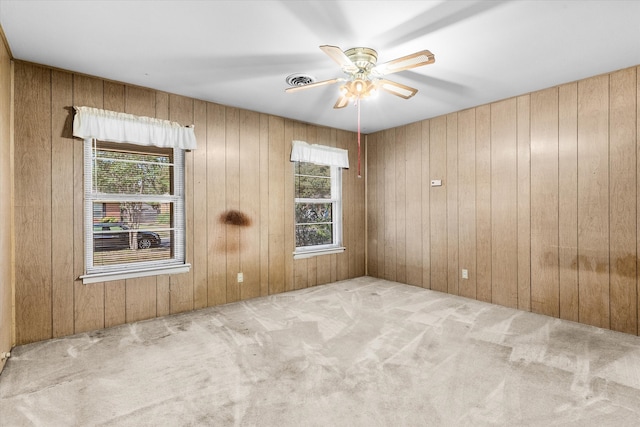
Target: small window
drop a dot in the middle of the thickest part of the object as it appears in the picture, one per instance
(134, 210)
(318, 209)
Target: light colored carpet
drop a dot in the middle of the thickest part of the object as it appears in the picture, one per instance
(363, 352)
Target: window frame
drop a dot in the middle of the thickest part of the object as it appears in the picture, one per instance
(336, 202)
(177, 263)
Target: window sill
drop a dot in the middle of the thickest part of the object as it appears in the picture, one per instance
(120, 275)
(317, 252)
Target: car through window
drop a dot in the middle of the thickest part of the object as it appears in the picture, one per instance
(135, 200)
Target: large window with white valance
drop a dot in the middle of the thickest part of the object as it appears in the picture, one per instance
(318, 198)
(133, 194)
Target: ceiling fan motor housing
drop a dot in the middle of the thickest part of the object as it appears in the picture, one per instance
(362, 57)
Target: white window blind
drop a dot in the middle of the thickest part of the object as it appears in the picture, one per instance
(318, 198)
(133, 194)
(134, 209)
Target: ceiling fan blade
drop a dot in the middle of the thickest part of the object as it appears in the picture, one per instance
(397, 89)
(310, 85)
(414, 60)
(340, 58)
(342, 102)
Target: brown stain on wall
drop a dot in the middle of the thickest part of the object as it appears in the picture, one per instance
(625, 264)
(233, 217)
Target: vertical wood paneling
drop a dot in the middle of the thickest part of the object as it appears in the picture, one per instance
(300, 271)
(89, 308)
(250, 203)
(131, 100)
(277, 158)
(115, 307)
(452, 204)
(358, 215)
(568, 200)
(162, 105)
(6, 204)
(593, 201)
(504, 208)
(114, 97)
(163, 298)
(200, 217)
(32, 159)
(426, 204)
(622, 199)
(372, 202)
(390, 211)
(638, 192)
(438, 204)
(232, 165)
(401, 203)
(467, 201)
(545, 285)
(216, 196)
(413, 187)
(524, 202)
(181, 285)
(546, 195)
(347, 142)
(323, 269)
(483, 203)
(264, 205)
(62, 203)
(370, 166)
(288, 211)
(140, 299)
(343, 260)
(381, 205)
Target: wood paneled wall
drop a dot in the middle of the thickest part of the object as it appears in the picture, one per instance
(241, 163)
(539, 202)
(6, 293)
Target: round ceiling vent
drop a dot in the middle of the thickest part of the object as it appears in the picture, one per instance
(300, 80)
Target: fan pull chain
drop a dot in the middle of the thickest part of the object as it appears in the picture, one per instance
(358, 104)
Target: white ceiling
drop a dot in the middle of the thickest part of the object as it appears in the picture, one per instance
(238, 53)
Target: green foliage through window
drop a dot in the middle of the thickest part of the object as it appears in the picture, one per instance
(134, 199)
(131, 173)
(315, 205)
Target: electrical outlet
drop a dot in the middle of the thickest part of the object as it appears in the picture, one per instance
(240, 277)
(465, 273)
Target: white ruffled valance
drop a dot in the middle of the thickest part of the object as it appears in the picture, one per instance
(319, 154)
(111, 126)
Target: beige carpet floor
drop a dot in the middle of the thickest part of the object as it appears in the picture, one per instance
(363, 352)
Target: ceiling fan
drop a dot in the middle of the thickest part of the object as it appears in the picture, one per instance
(364, 75)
